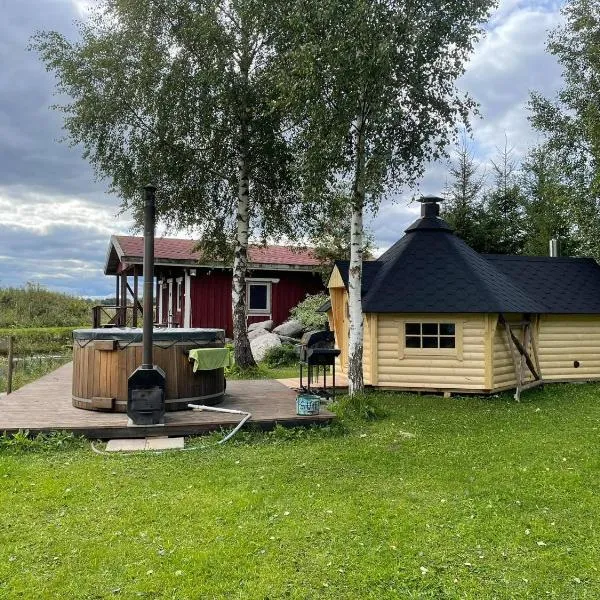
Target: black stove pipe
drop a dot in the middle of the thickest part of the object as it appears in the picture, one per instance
(149, 219)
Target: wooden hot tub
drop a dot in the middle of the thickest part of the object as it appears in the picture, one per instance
(103, 359)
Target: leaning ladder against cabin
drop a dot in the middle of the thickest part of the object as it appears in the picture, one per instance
(519, 352)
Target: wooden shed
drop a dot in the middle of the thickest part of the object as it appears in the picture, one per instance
(441, 317)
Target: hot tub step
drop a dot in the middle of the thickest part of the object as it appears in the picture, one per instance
(152, 443)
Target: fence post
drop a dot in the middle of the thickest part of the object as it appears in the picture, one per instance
(10, 365)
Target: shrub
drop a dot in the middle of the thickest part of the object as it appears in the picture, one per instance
(285, 355)
(306, 312)
(35, 306)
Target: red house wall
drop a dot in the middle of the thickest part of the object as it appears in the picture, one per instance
(211, 296)
(211, 300)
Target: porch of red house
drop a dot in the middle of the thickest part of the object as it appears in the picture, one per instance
(127, 309)
(45, 405)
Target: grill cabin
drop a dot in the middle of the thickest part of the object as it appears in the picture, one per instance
(439, 316)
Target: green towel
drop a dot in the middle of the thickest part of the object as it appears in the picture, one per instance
(207, 359)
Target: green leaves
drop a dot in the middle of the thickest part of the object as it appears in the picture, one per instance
(155, 93)
(571, 121)
(392, 63)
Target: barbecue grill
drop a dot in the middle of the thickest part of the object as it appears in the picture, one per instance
(316, 350)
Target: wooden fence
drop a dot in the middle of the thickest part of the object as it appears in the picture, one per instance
(17, 369)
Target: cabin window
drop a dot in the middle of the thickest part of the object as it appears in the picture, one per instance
(179, 295)
(430, 335)
(259, 298)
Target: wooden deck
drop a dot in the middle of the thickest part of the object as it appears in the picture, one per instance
(45, 405)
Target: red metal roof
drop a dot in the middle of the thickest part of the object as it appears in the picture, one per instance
(174, 249)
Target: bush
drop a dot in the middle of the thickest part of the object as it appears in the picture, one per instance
(285, 355)
(35, 306)
(306, 312)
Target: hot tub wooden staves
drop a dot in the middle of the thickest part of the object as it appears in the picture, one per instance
(103, 360)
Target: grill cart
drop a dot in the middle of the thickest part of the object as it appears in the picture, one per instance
(316, 350)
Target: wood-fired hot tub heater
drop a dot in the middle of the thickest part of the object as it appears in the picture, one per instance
(146, 385)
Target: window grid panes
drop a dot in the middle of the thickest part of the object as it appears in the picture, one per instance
(430, 335)
(258, 297)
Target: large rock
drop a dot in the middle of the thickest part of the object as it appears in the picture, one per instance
(256, 333)
(260, 345)
(290, 329)
(268, 325)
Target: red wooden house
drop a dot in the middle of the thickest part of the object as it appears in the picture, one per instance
(192, 292)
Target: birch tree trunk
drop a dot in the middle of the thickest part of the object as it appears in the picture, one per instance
(243, 353)
(355, 342)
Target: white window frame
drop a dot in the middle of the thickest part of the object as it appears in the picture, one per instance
(179, 290)
(161, 287)
(170, 304)
(456, 352)
(187, 313)
(260, 281)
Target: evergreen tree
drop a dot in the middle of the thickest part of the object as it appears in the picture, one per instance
(463, 195)
(502, 215)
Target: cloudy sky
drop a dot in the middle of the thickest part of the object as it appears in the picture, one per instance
(55, 219)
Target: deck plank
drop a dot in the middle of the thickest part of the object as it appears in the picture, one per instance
(45, 405)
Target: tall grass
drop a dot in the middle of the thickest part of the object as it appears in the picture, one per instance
(35, 306)
(29, 368)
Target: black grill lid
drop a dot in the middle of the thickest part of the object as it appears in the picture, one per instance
(310, 338)
(134, 335)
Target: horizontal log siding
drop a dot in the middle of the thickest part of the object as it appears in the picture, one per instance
(564, 339)
(504, 375)
(367, 349)
(465, 370)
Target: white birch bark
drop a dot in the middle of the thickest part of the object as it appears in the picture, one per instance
(243, 353)
(355, 335)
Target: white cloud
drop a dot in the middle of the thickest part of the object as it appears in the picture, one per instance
(507, 64)
(55, 221)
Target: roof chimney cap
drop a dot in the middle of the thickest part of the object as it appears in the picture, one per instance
(430, 206)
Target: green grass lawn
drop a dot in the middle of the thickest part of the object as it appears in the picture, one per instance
(262, 371)
(442, 498)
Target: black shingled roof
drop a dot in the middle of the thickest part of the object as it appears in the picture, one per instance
(432, 270)
(564, 285)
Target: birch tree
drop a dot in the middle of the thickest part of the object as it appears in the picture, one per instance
(374, 82)
(181, 93)
(571, 120)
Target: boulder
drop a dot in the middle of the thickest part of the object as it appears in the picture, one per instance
(256, 333)
(268, 325)
(260, 345)
(290, 329)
